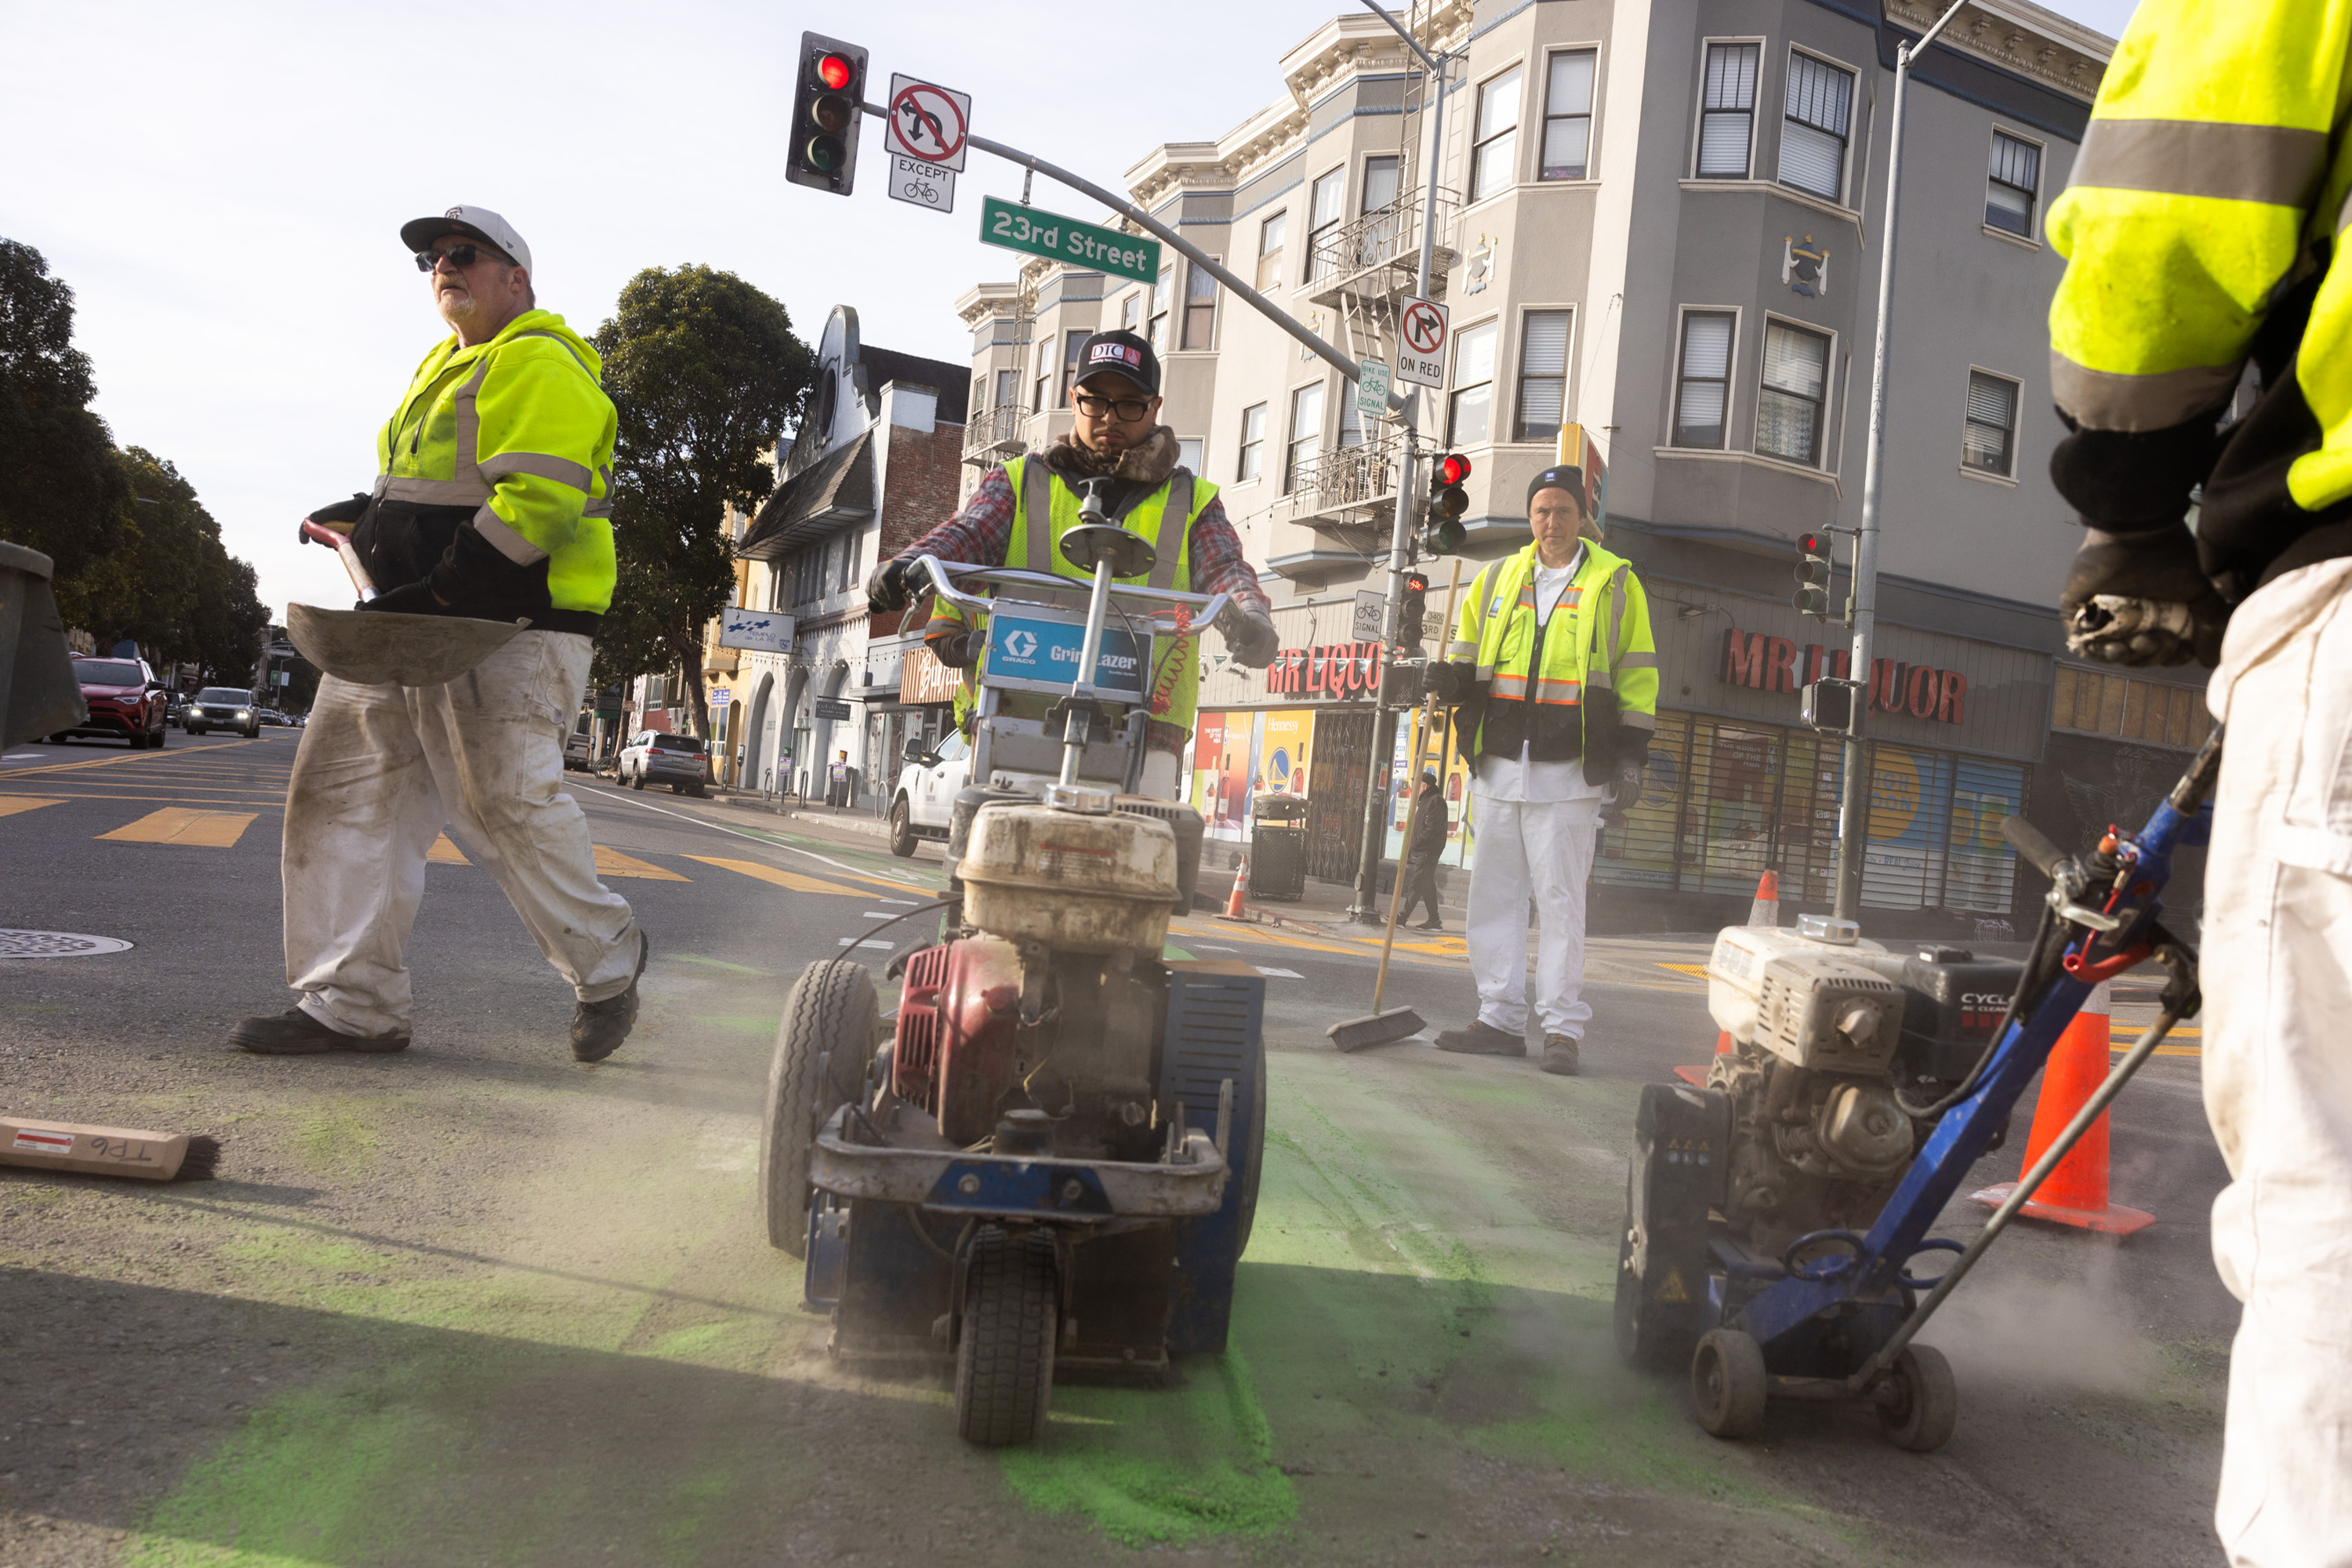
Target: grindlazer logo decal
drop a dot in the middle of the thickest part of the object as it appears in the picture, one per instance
(1024, 644)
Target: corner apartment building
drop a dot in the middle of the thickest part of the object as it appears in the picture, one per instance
(1659, 221)
(873, 466)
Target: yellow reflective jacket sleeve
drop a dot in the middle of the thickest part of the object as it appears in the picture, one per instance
(1633, 661)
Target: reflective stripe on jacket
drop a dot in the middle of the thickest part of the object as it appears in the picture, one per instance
(1593, 691)
(1175, 661)
(2206, 205)
(494, 478)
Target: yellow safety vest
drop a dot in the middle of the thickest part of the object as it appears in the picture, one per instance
(1175, 677)
(2205, 176)
(1603, 612)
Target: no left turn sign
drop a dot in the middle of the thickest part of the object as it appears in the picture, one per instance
(929, 122)
(1421, 344)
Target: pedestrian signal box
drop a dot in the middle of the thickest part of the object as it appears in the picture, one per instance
(1441, 530)
(827, 107)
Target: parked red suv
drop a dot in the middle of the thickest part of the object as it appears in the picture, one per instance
(125, 702)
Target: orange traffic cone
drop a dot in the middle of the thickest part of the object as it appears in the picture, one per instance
(1241, 887)
(1766, 910)
(1697, 1076)
(2076, 1193)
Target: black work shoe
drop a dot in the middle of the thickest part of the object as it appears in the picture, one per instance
(1482, 1039)
(599, 1027)
(1433, 925)
(1560, 1054)
(295, 1032)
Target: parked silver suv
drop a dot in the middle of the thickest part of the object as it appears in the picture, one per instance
(653, 756)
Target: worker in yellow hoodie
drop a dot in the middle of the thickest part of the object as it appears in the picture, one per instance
(493, 500)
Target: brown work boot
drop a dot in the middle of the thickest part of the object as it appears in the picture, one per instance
(1482, 1039)
(599, 1027)
(295, 1032)
(1560, 1054)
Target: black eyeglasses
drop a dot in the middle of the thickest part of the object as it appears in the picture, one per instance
(460, 257)
(1128, 408)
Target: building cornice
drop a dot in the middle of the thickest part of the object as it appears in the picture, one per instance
(2021, 37)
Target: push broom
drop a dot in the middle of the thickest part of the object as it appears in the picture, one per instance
(108, 1150)
(1377, 1027)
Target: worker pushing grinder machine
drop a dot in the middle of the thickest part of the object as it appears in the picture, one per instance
(1020, 512)
(2204, 233)
(1554, 677)
(484, 560)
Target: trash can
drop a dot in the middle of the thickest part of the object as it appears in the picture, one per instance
(1279, 847)
(39, 694)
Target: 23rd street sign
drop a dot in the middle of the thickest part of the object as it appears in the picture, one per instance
(1041, 233)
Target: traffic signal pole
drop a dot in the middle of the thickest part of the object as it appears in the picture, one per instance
(1854, 820)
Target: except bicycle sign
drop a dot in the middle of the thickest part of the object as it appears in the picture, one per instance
(1040, 233)
(1421, 344)
(930, 124)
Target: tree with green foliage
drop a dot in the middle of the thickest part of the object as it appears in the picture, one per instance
(61, 489)
(705, 370)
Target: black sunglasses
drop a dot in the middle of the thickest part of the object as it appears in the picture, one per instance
(1128, 408)
(460, 257)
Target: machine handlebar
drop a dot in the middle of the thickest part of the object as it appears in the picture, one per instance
(941, 578)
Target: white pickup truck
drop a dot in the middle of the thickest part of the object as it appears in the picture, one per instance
(925, 798)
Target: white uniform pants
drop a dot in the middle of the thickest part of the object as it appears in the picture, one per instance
(1541, 851)
(382, 768)
(2278, 1067)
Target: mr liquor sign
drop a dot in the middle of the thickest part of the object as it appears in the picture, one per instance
(1765, 663)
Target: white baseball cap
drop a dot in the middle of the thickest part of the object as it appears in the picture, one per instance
(479, 222)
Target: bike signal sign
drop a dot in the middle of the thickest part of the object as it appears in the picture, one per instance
(1421, 344)
(930, 124)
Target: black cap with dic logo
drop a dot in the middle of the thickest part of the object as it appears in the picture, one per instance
(1122, 354)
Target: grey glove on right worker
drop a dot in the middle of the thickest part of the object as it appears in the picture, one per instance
(1250, 637)
(1450, 683)
(1624, 790)
(2142, 599)
(957, 650)
(886, 587)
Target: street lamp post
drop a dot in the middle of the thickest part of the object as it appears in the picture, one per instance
(1855, 797)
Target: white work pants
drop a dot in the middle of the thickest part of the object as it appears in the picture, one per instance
(1543, 851)
(381, 769)
(2278, 1067)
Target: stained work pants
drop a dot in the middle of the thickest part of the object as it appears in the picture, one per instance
(2277, 971)
(1539, 851)
(381, 769)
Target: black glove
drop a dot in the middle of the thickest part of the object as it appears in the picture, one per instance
(410, 599)
(2173, 615)
(957, 650)
(1250, 638)
(886, 587)
(1447, 682)
(1624, 790)
(340, 514)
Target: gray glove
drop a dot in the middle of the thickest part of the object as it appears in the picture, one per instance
(1450, 683)
(2142, 599)
(957, 650)
(886, 587)
(1250, 637)
(1624, 790)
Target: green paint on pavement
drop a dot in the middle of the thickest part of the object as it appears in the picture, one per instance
(339, 1136)
(1160, 1466)
(717, 963)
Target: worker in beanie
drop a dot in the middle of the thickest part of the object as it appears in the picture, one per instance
(1020, 512)
(492, 501)
(1555, 679)
(2204, 233)
(1428, 846)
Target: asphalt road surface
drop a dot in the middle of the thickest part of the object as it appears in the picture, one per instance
(475, 1303)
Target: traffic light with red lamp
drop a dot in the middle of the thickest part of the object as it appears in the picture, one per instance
(1413, 608)
(826, 109)
(1813, 594)
(1441, 530)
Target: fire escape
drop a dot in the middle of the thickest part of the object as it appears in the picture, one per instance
(993, 436)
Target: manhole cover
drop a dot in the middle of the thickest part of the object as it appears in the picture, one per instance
(57, 944)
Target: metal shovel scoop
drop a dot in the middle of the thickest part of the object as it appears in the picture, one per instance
(378, 648)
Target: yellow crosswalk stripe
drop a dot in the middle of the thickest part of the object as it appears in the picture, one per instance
(11, 805)
(791, 879)
(444, 853)
(610, 862)
(173, 825)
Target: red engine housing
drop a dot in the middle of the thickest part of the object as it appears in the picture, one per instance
(959, 1018)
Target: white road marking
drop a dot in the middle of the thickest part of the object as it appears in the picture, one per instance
(1211, 947)
(878, 915)
(771, 843)
(1277, 973)
(864, 942)
(908, 902)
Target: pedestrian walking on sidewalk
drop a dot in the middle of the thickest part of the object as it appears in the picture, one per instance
(2204, 237)
(1554, 679)
(1019, 513)
(1423, 854)
(492, 501)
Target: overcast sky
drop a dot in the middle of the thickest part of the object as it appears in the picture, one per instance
(222, 186)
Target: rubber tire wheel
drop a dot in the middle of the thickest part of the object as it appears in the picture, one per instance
(831, 1008)
(155, 741)
(1011, 1321)
(1257, 1157)
(700, 792)
(1919, 1403)
(254, 733)
(902, 829)
(637, 781)
(1729, 1387)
